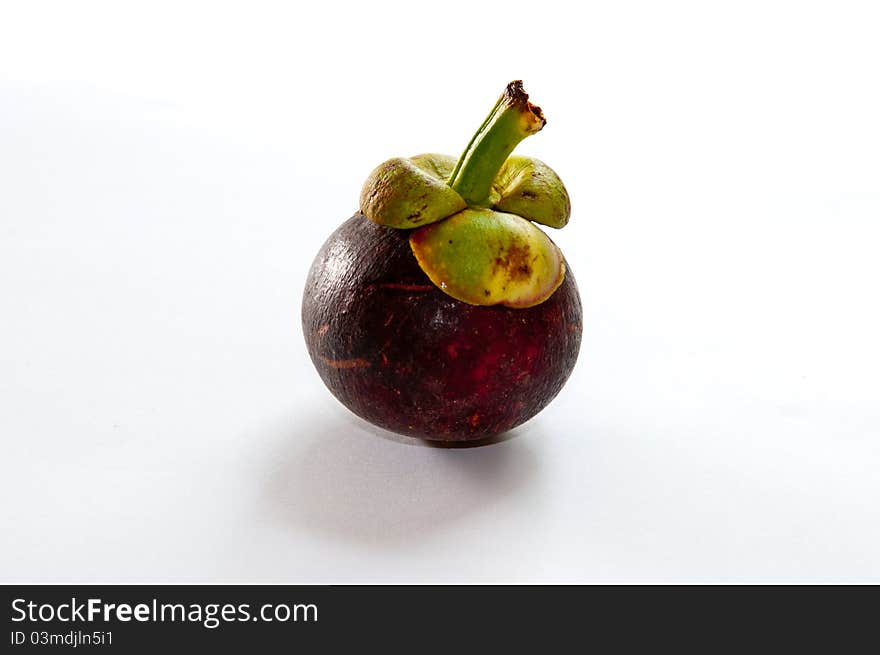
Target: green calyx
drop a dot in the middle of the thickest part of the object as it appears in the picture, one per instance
(473, 217)
(484, 257)
(407, 193)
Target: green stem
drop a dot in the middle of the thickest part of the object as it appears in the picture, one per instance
(511, 120)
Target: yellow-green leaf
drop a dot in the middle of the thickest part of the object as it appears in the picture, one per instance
(403, 193)
(486, 257)
(436, 165)
(529, 188)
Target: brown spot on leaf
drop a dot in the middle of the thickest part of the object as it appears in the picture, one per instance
(416, 216)
(515, 261)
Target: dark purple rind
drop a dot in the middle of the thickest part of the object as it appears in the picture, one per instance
(405, 356)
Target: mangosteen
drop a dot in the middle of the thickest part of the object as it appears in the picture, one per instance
(440, 310)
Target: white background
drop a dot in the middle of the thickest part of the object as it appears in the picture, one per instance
(168, 171)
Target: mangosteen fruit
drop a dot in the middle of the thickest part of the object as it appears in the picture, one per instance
(440, 310)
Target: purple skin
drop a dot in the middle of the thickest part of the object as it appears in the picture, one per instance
(403, 355)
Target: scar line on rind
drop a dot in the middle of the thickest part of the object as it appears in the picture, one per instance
(345, 363)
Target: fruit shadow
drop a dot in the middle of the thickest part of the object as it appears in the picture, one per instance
(344, 479)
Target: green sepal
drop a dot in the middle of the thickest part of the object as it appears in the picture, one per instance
(486, 257)
(408, 193)
(529, 188)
